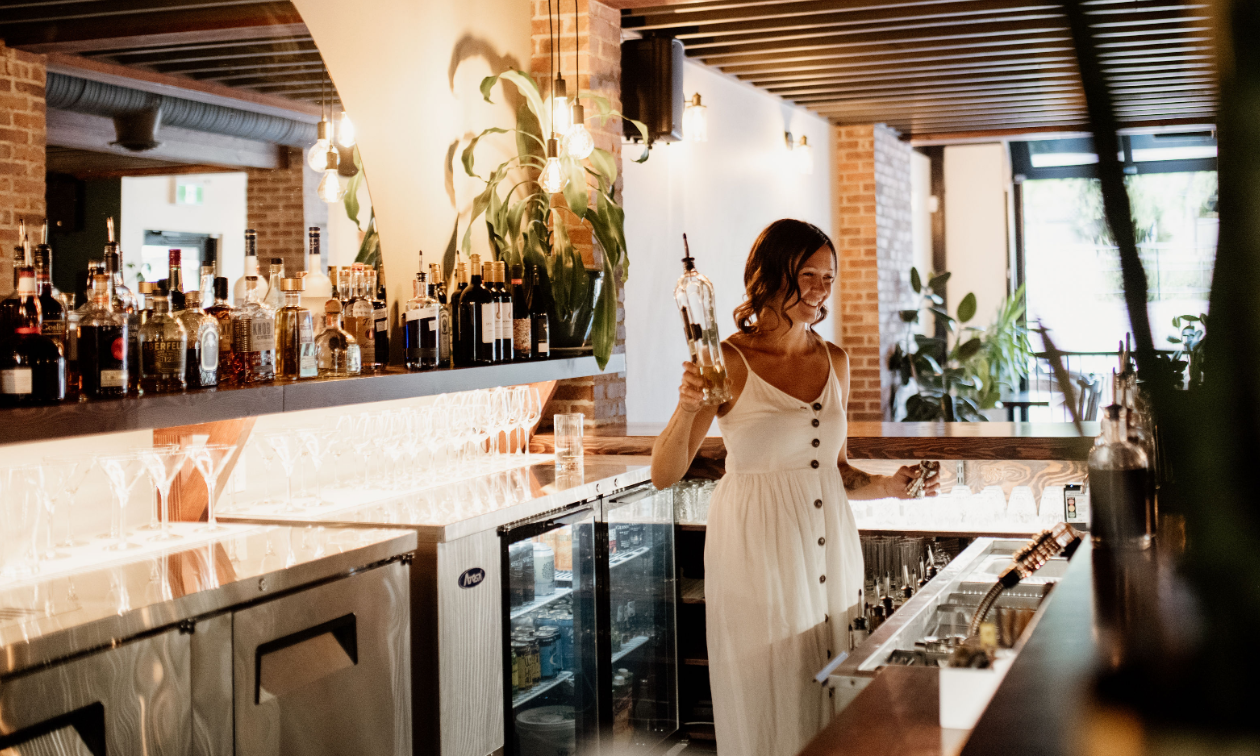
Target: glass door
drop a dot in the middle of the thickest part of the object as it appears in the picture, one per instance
(641, 682)
(549, 655)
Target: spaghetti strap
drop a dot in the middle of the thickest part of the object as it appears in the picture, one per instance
(741, 355)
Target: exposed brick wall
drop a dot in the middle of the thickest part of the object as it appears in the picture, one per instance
(601, 398)
(22, 146)
(275, 208)
(873, 195)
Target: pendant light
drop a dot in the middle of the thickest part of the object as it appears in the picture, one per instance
(345, 131)
(577, 139)
(553, 178)
(695, 120)
(318, 156)
(804, 157)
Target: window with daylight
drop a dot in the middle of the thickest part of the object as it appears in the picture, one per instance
(1070, 264)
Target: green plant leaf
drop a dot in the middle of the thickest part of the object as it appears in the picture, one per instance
(915, 282)
(351, 200)
(604, 324)
(909, 316)
(526, 85)
(936, 281)
(466, 157)
(969, 349)
(967, 308)
(936, 299)
(605, 165)
(576, 192)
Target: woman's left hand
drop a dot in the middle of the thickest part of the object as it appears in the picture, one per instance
(898, 483)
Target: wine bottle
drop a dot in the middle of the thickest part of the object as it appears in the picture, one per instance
(540, 318)
(476, 319)
(420, 327)
(694, 296)
(1121, 512)
(104, 344)
(437, 290)
(521, 346)
(503, 297)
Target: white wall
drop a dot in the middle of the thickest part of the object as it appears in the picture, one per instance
(148, 204)
(722, 193)
(977, 177)
(408, 73)
(921, 209)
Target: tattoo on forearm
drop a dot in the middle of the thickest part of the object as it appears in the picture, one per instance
(853, 478)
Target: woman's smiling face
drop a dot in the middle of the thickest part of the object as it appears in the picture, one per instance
(815, 279)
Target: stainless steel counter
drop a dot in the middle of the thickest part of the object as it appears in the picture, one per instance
(65, 613)
(448, 512)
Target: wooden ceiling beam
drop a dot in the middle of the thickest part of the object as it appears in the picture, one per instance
(823, 10)
(893, 92)
(1009, 46)
(1076, 105)
(822, 36)
(170, 25)
(868, 21)
(214, 44)
(203, 54)
(953, 78)
(942, 99)
(972, 56)
(917, 72)
(245, 73)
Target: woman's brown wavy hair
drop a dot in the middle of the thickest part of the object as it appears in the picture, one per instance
(773, 266)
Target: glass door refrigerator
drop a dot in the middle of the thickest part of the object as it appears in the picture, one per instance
(589, 658)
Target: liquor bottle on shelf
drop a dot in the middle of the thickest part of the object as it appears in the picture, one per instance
(503, 313)
(359, 318)
(175, 280)
(345, 285)
(201, 362)
(163, 349)
(251, 267)
(146, 289)
(1122, 515)
(476, 330)
(221, 311)
(53, 323)
(205, 277)
(459, 355)
(380, 318)
(336, 351)
(540, 318)
(420, 327)
(253, 337)
(10, 308)
(295, 335)
(124, 301)
(437, 290)
(32, 365)
(694, 296)
(316, 287)
(521, 346)
(274, 297)
(104, 344)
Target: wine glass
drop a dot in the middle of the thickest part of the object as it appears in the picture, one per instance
(19, 507)
(319, 444)
(123, 471)
(287, 451)
(65, 476)
(532, 410)
(516, 414)
(163, 463)
(211, 460)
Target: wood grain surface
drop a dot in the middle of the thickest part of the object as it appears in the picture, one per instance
(897, 714)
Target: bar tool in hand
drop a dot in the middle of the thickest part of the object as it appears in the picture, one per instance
(918, 487)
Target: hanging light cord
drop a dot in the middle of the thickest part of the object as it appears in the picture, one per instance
(577, 60)
(551, 38)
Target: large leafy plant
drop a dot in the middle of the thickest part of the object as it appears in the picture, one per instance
(524, 225)
(960, 370)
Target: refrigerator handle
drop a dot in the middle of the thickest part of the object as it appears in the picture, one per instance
(568, 517)
(633, 495)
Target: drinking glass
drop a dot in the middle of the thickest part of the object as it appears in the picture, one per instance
(163, 463)
(287, 451)
(123, 471)
(319, 444)
(65, 475)
(533, 411)
(569, 441)
(19, 508)
(211, 460)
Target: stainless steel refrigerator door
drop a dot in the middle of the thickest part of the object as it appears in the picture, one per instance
(326, 670)
(132, 699)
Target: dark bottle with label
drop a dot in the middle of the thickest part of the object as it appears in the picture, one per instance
(163, 350)
(420, 327)
(1121, 514)
(477, 330)
(11, 305)
(522, 344)
(503, 300)
(460, 356)
(221, 311)
(540, 315)
(380, 318)
(104, 357)
(52, 312)
(437, 290)
(32, 366)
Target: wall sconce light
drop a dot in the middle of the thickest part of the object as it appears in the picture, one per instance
(800, 153)
(695, 120)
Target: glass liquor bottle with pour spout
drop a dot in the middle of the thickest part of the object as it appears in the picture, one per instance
(694, 297)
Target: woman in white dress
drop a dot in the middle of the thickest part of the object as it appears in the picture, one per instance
(782, 561)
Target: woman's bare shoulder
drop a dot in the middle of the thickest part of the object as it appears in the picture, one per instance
(839, 357)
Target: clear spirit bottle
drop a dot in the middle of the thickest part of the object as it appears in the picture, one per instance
(694, 296)
(221, 311)
(295, 335)
(420, 327)
(253, 337)
(104, 353)
(336, 351)
(251, 267)
(274, 297)
(317, 288)
(163, 350)
(201, 362)
(360, 317)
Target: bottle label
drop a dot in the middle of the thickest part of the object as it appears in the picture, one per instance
(444, 334)
(489, 322)
(381, 318)
(54, 329)
(209, 348)
(26, 286)
(163, 357)
(307, 365)
(113, 378)
(15, 381)
(262, 335)
(520, 335)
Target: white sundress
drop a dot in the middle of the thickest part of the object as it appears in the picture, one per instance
(783, 568)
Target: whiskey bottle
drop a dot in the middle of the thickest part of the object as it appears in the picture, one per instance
(694, 296)
(274, 297)
(124, 303)
(503, 313)
(52, 311)
(104, 347)
(251, 267)
(380, 318)
(476, 319)
(360, 318)
(437, 290)
(11, 306)
(253, 337)
(336, 351)
(521, 343)
(202, 359)
(175, 280)
(163, 349)
(540, 318)
(295, 335)
(420, 327)
(316, 287)
(221, 311)
(32, 366)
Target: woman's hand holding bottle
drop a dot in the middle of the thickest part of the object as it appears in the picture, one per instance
(691, 390)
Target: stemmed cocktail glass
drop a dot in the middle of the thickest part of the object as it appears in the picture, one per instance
(123, 471)
(65, 475)
(163, 463)
(210, 461)
(288, 451)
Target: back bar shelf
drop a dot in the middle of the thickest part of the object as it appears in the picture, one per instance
(70, 418)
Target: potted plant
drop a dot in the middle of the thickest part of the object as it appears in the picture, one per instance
(525, 228)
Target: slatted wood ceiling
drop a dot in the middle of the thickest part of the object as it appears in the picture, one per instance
(936, 67)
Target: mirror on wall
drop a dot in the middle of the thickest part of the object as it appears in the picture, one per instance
(188, 123)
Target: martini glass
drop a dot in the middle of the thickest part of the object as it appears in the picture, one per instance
(318, 443)
(123, 471)
(163, 463)
(288, 451)
(210, 461)
(65, 475)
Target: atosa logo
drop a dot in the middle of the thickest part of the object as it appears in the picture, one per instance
(472, 578)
